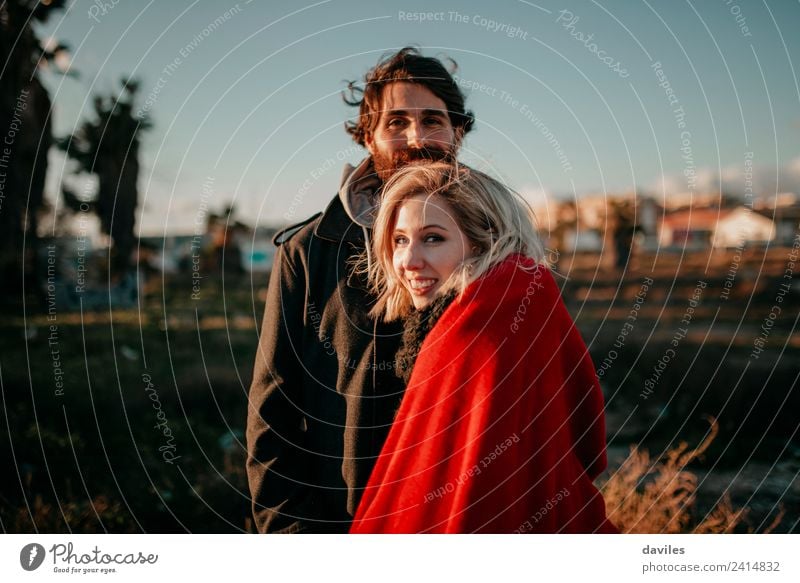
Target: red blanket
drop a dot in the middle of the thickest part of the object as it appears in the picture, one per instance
(501, 428)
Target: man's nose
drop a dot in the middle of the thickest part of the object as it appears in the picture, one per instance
(416, 136)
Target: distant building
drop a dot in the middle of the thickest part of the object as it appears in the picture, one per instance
(784, 210)
(676, 201)
(172, 253)
(176, 253)
(257, 250)
(718, 228)
(583, 241)
(743, 226)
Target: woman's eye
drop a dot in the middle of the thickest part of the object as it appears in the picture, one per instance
(400, 240)
(433, 238)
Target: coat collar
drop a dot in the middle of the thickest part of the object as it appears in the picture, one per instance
(354, 209)
(336, 225)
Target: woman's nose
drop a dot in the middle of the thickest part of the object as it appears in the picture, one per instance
(413, 258)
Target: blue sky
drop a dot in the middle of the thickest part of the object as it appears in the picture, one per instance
(250, 106)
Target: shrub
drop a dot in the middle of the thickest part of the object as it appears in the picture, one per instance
(657, 498)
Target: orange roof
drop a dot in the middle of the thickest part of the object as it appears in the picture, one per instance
(695, 219)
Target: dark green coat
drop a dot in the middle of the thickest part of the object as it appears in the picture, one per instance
(324, 391)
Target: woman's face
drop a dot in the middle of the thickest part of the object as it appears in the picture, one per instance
(428, 246)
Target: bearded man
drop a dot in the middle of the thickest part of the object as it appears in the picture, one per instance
(324, 389)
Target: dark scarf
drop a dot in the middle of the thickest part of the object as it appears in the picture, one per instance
(415, 329)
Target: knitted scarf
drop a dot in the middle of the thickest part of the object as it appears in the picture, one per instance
(415, 329)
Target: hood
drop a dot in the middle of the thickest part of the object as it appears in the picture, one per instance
(360, 192)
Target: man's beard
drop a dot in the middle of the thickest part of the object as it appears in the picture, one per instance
(386, 165)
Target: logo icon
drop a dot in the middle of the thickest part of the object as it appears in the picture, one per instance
(31, 556)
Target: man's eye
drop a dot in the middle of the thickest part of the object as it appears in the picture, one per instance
(395, 122)
(433, 121)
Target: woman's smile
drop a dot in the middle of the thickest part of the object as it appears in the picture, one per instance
(428, 247)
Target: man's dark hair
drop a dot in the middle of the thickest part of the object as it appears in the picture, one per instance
(408, 65)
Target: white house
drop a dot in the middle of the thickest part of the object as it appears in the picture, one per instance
(743, 225)
(719, 228)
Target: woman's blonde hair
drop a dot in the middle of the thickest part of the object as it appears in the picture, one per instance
(496, 221)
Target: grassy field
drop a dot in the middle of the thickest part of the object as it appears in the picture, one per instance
(147, 433)
(714, 335)
(133, 420)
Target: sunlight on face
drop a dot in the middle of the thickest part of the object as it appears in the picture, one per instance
(411, 118)
(428, 246)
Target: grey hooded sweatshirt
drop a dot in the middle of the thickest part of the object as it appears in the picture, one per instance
(324, 391)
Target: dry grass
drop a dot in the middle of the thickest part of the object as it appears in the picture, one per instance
(658, 497)
(73, 516)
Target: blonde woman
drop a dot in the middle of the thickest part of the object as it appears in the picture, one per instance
(501, 427)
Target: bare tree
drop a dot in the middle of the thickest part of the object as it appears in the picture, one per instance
(26, 138)
(108, 146)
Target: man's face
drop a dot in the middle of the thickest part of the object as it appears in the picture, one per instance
(413, 125)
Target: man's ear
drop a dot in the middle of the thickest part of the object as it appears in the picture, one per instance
(458, 139)
(369, 142)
